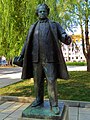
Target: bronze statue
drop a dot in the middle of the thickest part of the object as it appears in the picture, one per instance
(43, 58)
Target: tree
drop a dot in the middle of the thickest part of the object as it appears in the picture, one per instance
(16, 16)
(87, 52)
(77, 13)
(83, 15)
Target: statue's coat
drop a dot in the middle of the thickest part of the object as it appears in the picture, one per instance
(27, 70)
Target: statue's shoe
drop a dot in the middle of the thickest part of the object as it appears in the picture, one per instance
(36, 103)
(56, 110)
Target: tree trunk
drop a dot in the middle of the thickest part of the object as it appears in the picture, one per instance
(88, 60)
(87, 37)
(88, 65)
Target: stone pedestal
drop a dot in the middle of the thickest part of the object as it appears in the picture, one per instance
(44, 112)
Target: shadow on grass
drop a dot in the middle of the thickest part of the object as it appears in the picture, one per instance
(23, 88)
(76, 88)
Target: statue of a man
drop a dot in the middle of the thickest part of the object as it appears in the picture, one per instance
(43, 58)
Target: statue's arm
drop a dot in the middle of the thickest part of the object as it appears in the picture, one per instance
(62, 35)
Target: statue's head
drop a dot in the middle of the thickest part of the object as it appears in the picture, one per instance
(42, 11)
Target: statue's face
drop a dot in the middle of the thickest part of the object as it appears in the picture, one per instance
(42, 12)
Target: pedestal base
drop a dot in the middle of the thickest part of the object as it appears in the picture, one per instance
(44, 112)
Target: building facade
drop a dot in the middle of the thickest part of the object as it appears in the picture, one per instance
(73, 52)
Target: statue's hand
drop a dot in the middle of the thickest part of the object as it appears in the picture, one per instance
(20, 58)
(68, 39)
(18, 61)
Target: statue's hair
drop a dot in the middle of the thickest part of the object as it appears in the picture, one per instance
(48, 9)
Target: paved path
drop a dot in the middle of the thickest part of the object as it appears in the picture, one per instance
(77, 68)
(9, 76)
(11, 110)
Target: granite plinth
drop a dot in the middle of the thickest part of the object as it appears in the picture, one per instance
(44, 112)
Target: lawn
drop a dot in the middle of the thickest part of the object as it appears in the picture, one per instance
(76, 88)
(76, 63)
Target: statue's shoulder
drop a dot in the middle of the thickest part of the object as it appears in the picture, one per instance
(54, 22)
(34, 23)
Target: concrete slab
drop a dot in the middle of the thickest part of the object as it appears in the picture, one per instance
(73, 111)
(84, 104)
(73, 117)
(18, 112)
(84, 117)
(12, 108)
(3, 116)
(84, 111)
(6, 105)
(9, 118)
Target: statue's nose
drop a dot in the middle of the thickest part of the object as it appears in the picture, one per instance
(43, 12)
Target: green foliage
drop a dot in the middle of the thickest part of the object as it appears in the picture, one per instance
(16, 18)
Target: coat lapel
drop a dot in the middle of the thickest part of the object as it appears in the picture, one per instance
(62, 68)
(31, 31)
(53, 29)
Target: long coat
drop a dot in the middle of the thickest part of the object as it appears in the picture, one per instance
(58, 35)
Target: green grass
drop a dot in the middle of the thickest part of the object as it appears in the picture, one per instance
(76, 88)
(76, 63)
